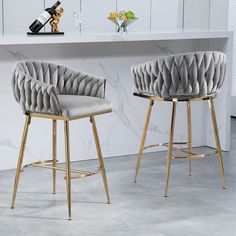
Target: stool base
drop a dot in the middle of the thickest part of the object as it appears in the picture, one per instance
(52, 164)
(170, 145)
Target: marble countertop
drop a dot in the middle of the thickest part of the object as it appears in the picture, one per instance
(112, 37)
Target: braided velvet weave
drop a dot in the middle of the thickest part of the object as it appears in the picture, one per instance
(186, 75)
(37, 86)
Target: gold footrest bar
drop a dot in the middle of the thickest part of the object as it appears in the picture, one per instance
(190, 156)
(39, 162)
(179, 149)
(44, 164)
(164, 145)
(196, 156)
(85, 174)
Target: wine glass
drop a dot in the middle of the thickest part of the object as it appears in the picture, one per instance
(78, 21)
(120, 20)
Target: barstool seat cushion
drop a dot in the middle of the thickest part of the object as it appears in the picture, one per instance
(72, 105)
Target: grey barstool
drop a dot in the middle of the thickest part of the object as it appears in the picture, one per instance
(181, 78)
(54, 92)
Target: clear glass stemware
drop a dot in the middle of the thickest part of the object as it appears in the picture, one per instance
(120, 20)
(78, 21)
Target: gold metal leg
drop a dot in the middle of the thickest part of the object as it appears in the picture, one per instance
(144, 135)
(170, 147)
(100, 159)
(54, 153)
(68, 170)
(20, 160)
(189, 134)
(217, 140)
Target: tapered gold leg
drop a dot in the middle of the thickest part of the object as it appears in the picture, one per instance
(68, 169)
(54, 153)
(100, 159)
(217, 140)
(170, 147)
(143, 139)
(20, 160)
(189, 134)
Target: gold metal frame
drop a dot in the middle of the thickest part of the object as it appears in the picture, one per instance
(52, 164)
(190, 155)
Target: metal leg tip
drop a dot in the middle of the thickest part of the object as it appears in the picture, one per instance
(69, 218)
(12, 207)
(108, 202)
(224, 187)
(166, 195)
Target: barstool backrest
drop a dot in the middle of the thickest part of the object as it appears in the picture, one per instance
(67, 81)
(37, 84)
(197, 74)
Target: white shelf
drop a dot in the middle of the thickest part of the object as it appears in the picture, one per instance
(130, 37)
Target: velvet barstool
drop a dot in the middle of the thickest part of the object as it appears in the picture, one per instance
(49, 91)
(184, 78)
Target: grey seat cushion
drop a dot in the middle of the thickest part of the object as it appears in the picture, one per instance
(197, 74)
(72, 105)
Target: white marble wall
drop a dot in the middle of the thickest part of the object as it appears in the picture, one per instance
(156, 15)
(120, 131)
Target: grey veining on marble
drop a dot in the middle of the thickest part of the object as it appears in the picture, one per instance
(197, 205)
(16, 55)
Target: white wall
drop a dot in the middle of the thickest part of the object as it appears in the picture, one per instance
(95, 13)
(219, 12)
(155, 15)
(196, 14)
(141, 9)
(1, 18)
(232, 26)
(17, 18)
(166, 15)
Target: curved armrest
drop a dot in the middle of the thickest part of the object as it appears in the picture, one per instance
(78, 83)
(144, 78)
(33, 95)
